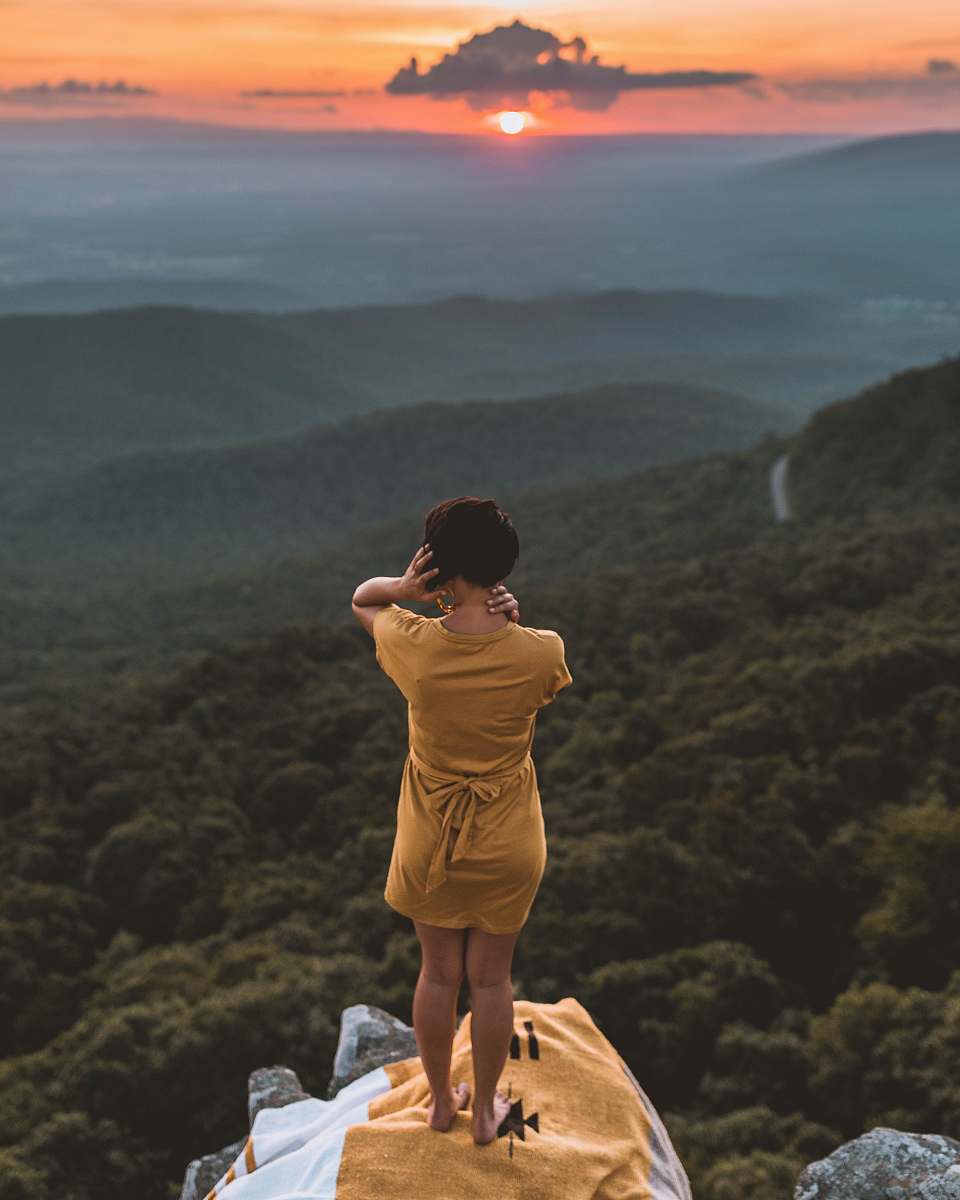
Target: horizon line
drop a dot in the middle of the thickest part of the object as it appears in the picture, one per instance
(104, 118)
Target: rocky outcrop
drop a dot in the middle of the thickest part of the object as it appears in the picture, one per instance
(204, 1172)
(369, 1037)
(885, 1164)
(272, 1087)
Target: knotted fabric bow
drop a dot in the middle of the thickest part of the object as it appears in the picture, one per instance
(456, 800)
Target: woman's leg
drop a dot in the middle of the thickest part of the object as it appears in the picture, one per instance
(435, 1017)
(489, 957)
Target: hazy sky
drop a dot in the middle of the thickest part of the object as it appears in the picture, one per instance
(776, 65)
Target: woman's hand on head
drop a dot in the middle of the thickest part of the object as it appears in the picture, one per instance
(500, 600)
(415, 581)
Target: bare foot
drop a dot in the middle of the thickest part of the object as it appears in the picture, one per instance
(440, 1116)
(485, 1124)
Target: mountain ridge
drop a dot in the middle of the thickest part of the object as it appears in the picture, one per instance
(314, 481)
(936, 148)
(85, 386)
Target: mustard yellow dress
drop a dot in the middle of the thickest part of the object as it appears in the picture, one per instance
(470, 847)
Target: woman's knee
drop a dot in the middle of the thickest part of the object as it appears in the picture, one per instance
(486, 980)
(489, 958)
(443, 954)
(443, 973)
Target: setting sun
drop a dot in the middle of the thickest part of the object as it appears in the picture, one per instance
(512, 122)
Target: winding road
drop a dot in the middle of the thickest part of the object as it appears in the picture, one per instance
(778, 489)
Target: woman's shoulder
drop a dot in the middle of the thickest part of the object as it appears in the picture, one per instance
(548, 663)
(399, 637)
(541, 635)
(546, 642)
(396, 614)
(393, 610)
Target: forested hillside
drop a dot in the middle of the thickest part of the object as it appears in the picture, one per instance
(236, 505)
(751, 794)
(87, 629)
(897, 444)
(75, 607)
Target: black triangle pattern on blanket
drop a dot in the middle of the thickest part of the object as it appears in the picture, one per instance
(514, 1122)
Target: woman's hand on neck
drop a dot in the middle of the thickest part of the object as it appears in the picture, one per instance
(472, 613)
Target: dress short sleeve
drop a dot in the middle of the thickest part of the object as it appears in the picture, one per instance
(392, 627)
(556, 675)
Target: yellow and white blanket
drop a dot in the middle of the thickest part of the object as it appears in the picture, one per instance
(580, 1128)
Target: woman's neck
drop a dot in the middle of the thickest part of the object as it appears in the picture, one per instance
(474, 617)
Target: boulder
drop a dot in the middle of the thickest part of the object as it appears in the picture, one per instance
(369, 1037)
(267, 1087)
(272, 1087)
(204, 1172)
(885, 1164)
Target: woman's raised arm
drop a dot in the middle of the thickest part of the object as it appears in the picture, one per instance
(376, 593)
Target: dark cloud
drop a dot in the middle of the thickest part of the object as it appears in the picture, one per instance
(70, 91)
(504, 66)
(940, 79)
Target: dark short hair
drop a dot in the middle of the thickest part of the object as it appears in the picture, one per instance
(470, 537)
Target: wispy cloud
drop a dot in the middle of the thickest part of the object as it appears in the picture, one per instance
(302, 93)
(939, 78)
(71, 91)
(509, 62)
(928, 43)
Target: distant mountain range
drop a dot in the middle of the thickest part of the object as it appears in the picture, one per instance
(82, 388)
(88, 295)
(871, 218)
(381, 217)
(935, 151)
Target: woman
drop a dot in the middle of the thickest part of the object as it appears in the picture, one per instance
(470, 850)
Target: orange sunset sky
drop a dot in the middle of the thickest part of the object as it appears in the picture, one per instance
(819, 66)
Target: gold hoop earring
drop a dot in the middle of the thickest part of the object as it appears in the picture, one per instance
(447, 608)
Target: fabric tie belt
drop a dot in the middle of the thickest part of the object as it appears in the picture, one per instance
(456, 799)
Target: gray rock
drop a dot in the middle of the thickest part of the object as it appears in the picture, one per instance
(941, 1187)
(204, 1172)
(885, 1164)
(272, 1087)
(369, 1037)
(267, 1087)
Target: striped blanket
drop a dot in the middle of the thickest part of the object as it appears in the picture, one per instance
(580, 1128)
